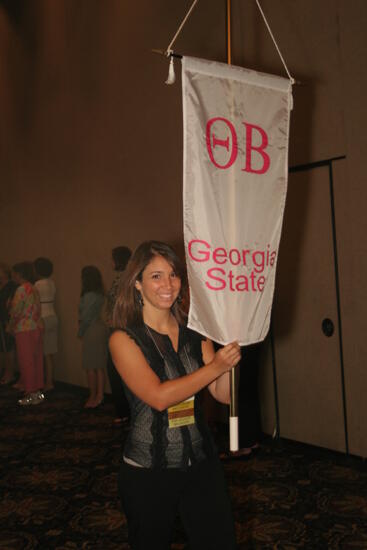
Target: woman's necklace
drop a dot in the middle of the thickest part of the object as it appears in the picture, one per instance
(153, 340)
(159, 351)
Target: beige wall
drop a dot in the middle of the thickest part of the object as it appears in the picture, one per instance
(91, 146)
(91, 137)
(324, 44)
(351, 208)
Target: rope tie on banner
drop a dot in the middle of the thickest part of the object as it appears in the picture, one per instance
(275, 43)
(171, 70)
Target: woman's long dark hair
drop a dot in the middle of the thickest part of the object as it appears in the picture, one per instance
(120, 256)
(127, 310)
(26, 271)
(91, 280)
(44, 267)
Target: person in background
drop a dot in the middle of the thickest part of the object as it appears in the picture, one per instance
(7, 342)
(170, 463)
(47, 290)
(120, 258)
(25, 323)
(94, 334)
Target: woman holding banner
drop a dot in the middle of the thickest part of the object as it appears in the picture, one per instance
(170, 464)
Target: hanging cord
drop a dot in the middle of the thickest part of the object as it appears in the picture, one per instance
(275, 44)
(169, 49)
(171, 71)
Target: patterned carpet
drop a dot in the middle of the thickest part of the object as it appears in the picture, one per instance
(58, 471)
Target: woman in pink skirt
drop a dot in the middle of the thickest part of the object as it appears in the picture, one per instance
(26, 325)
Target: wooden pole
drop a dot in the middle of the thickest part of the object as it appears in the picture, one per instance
(229, 38)
(233, 408)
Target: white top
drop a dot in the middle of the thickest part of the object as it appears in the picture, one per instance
(46, 290)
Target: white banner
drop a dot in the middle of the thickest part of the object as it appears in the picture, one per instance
(236, 127)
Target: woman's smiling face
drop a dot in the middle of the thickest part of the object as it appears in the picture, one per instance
(160, 285)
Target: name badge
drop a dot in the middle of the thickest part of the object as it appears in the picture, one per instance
(182, 414)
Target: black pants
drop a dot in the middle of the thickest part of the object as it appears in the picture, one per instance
(152, 498)
(250, 431)
(117, 389)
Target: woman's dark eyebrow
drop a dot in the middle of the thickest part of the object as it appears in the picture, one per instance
(155, 271)
(160, 271)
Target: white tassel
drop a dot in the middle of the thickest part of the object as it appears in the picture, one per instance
(171, 79)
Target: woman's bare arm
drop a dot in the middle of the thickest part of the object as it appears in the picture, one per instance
(145, 384)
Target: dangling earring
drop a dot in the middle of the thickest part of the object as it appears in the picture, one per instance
(179, 299)
(140, 300)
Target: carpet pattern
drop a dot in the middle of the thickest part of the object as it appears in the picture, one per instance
(58, 481)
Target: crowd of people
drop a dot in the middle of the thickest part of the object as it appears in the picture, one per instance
(156, 367)
(28, 328)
